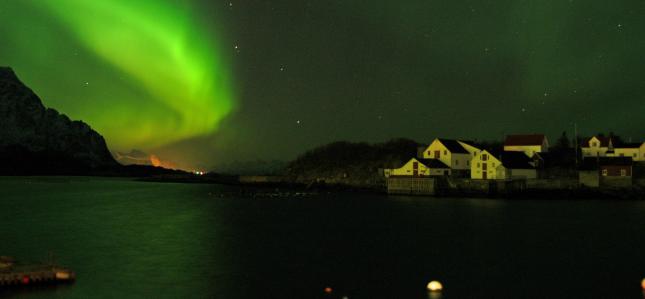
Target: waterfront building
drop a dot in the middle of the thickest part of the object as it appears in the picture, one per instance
(636, 151)
(489, 165)
(597, 146)
(529, 144)
(454, 153)
(606, 171)
(416, 167)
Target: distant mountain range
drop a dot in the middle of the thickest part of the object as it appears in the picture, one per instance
(138, 157)
(35, 140)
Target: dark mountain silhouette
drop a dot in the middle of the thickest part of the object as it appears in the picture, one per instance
(35, 140)
(351, 164)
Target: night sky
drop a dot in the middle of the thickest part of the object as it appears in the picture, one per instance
(203, 82)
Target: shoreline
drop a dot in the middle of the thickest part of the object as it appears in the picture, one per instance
(636, 192)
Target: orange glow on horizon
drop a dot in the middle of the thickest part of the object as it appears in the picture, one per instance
(155, 161)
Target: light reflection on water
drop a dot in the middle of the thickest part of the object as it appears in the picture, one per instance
(130, 239)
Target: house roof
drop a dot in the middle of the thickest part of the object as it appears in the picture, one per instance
(516, 160)
(434, 163)
(593, 163)
(530, 139)
(604, 141)
(453, 146)
(629, 145)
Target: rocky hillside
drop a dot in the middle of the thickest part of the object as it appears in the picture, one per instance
(39, 140)
(351, 164)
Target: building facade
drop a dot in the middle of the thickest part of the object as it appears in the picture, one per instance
(453, 153)
(529, 144)
(419, 168)
(597, 146)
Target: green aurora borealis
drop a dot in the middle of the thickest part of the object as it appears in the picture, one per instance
(204, 82)
(149, 73)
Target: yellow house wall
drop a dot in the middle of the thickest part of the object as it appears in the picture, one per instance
(436, 145)
(407, 169)
(594, 151)
(460, 161)
(495, 169)
(473, 151)
(528, 149)
(634, 153)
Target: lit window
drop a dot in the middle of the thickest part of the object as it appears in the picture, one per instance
(623, 172)
(604, 172)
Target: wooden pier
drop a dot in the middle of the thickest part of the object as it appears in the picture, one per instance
(12, 274)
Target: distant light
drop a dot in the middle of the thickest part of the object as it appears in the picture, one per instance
(643, 283)
(328, 290)
(434, 286)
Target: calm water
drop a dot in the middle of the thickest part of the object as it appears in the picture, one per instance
(144, 240)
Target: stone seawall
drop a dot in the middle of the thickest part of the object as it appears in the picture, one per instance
(411, 185)
(457, 187)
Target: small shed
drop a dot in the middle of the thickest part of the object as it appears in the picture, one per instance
(518, 165)
(606, 172)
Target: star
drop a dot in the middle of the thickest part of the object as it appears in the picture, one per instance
(297, 121)
(546, 94)
(620, 26)
(282, 68)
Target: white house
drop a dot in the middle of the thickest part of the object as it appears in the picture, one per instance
(519, 166)
(506, 165)
(419, 168)
(454, 153)
(597, 146)
(486, 166)
(529, 144)
(636, 151)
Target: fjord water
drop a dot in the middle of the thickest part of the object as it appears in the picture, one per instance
(128, 239)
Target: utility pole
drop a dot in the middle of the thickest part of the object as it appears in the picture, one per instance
(575, 141)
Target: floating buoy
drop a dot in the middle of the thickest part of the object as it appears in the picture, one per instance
(434, 286)
(328, 290)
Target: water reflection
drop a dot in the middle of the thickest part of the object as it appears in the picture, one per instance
(435, 295)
